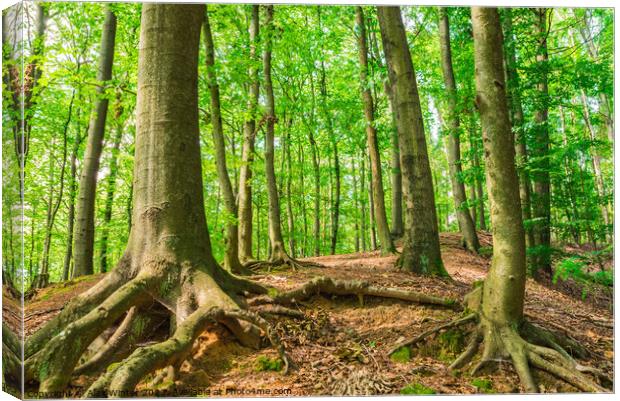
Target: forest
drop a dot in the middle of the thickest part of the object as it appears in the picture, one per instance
(306, 200)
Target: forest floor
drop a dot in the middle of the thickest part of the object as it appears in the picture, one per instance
(340, 347)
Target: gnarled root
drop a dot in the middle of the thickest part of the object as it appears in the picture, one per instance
(136, 325)
(280, 259)
(53, 365)
(506, 342)
(331, 286)
(123, 378)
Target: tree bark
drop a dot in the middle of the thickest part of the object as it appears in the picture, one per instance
(85, 222)
(231, 254)
(275, 225)
(504, 286)
(466, 224)
(541, 262)
(378, 195)
(516, 114)
(289, 192)
(421, 251)
(247, 151)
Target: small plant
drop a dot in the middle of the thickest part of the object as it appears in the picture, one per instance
(486, 251)
(266, 364)
(483, 385)
(401, 355)
(416, 388)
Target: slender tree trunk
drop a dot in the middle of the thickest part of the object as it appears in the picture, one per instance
(289, 192)
(111, 189)
(596, 161)
(42, 280)
(541, 262)
(302, 200)
(466, 224)
(371, 212)
(66, 269)
(85, 221)
(604, 105)
(247, 151)
(317, 182)
(572, 213)
(378, 195)
(231, 254)
(362, 201)
(356, 208)
(275, 226)
(421, 251)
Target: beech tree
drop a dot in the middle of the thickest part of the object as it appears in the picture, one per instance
(421, 253)
(497, 304)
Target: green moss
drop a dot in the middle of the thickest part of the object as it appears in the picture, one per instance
(112, 367)
(485, 251)
(483, 385)
(264, 363)
(272, 292)
(401, 355)
(417, 388)
(451, 343)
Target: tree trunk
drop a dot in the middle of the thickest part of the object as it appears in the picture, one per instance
(362, 201)
(168, 258)
(42, 278)
(378, 195)
(371, 212)
(596, 162)
(317, 182)
(504, 286)
(111, 188)
(421, 252)
(66, 269)
(289, 192)
(247, 151)
(541, 262)
(466, 224)
(516, 111)
(231, 255)
(85, 222)
(275, 226)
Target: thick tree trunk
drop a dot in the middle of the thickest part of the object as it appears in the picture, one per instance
(516, 111)
(83, 246)
(421, 252)
(541, 262)
(231, 255)
(168, 257)
(466, 224)
(247, 151)
(378, 195)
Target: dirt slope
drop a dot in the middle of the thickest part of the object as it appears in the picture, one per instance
(340, 348)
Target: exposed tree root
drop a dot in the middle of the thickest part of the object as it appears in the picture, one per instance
(526, 346)
(283, 260)
(331, 286)
(451, 324)
(137, 324)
